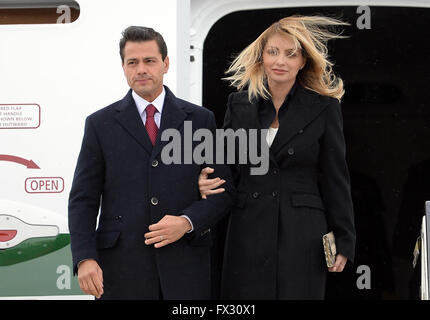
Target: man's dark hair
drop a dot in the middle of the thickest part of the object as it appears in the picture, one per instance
(137, 34)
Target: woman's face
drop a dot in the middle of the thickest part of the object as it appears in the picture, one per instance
(281, 63)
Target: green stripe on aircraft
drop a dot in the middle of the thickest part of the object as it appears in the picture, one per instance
(32, 248)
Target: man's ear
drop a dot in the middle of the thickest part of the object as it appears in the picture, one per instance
(166, 64)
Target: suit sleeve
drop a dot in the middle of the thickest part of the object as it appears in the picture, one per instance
(335, 182)
(84, 199)
(205, 213)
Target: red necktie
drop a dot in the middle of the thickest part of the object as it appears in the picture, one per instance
(150, 124)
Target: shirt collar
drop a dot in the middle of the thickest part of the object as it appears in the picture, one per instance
(141, 103)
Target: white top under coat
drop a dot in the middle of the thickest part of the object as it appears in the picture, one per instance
(271, 134)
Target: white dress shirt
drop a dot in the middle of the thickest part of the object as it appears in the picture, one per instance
(157, 103)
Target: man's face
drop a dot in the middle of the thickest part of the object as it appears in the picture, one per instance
(144, 68)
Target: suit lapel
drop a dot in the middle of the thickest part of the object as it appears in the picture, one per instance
(304, 107)
(129, 118)
(173, 117)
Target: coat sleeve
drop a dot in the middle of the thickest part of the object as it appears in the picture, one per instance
(335, 182)
(234, 168)
(205, 213)
(84, 198)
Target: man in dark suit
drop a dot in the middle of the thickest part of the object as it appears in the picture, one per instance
(153, 237)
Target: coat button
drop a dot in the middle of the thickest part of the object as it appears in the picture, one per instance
(154, 201)
(154, 163)
(118, 217)
(291, 151)
(255, 195)
(275, 171)
(274, 194)
(300, 131)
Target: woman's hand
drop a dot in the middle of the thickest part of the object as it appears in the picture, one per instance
(207, 186)
(339, 263)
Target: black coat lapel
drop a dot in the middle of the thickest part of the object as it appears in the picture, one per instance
(129, 118)
(249, 119)
(304, 107)
(248, 113)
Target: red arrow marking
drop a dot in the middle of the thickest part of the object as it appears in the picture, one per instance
(28, 163)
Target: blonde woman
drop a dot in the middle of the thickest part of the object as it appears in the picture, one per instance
(274, 238)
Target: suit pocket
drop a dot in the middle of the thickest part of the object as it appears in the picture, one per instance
(307, 200)
(204, 239)
(107, 239)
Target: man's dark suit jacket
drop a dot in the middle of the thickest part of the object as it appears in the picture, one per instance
(122, 174)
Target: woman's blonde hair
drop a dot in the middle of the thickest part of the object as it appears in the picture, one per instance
(310, 34)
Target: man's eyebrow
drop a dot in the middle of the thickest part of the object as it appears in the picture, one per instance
(145, 58)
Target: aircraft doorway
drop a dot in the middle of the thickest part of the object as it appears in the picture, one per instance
(386, 124)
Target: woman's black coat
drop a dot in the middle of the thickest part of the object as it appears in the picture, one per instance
(274, 247)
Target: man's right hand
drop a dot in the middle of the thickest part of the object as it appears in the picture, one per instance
(90, 278)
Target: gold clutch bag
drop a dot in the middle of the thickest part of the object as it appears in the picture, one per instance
(329, 249)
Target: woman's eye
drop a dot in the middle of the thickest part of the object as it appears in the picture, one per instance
(291, 53)
(272, 52)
